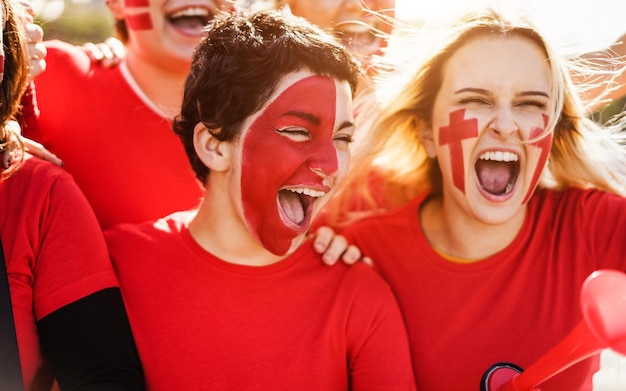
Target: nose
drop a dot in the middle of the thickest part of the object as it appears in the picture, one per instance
(503, 124)
(324, 161)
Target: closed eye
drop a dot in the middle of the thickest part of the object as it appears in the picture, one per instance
(474, 100)
(342, 141)
(294, 133)
(344, 138)
(533, 103)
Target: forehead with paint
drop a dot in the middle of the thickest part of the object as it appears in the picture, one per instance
(294, 153)
(490, 118)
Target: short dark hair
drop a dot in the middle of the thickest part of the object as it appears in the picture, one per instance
(238, 65)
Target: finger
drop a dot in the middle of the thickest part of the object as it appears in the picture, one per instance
(36, 149)
(351, 255)
(33, 32)
(37, 53)
(37, 50)
(92, 51)
(335, 250)
(322, 238)
(106, 51)
(368, 261)
(110, 58)
(35, 67)
(116, 46)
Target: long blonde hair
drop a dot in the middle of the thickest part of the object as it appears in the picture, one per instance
(394, 116)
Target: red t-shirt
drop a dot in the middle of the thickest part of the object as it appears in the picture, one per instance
(121, 151)
(202, 323)
(513, 306)
(54, 250)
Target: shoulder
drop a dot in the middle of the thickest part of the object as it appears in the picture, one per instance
(62, 53)
(362, 284)
(43, 195)
(384, 223)
(355, 279)
(576, 200)
(154, 233)
(41, 175)
(65, 63)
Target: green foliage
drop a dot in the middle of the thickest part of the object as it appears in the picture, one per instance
(79, 23)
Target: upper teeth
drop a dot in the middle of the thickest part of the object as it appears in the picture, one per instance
(354, 27)
(309, 192)
(193, 11)
(499, 156)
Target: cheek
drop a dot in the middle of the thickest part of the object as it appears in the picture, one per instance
(138, 20)
(538, 153)
(343, 160)
(451, 137)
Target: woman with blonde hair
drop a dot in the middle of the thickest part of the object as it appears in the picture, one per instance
(505, 198)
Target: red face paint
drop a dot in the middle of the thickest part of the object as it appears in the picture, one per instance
(545, 145)
(458, 130)
(137, 3)
(271, 161)
(138, 21)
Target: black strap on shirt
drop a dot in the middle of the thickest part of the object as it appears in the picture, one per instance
(10, 369)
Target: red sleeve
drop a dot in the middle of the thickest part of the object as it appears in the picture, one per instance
(381, 359)
(602, 222)
(72, 260)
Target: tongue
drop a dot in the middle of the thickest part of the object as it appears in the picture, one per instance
(192, 25)
(292, 206)
(493, 176)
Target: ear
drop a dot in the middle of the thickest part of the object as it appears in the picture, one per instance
(427, 137)
(215, 154)
(117, 9)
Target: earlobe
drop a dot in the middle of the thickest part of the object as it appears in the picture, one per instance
(213, 152)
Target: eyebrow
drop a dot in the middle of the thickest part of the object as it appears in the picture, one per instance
(305, 116)
(346, 124)
(316, 121)
(486, 92)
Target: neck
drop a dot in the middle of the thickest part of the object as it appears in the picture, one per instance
(162, 86)
(218, 230)
(462, 236)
